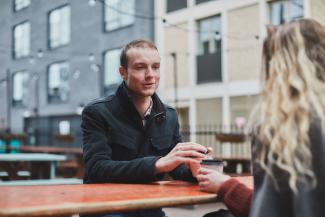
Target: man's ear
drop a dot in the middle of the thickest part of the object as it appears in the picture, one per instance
(123, 73)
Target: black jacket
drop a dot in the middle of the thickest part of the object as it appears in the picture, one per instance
(118, 148)
(271, 201)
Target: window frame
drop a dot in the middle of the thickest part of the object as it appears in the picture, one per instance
(49, 28)
(48, 97)
(13, 38)
(112, 85)
(105, 6)
(14, 9)
(203, 57)
(199, 41)
(282, 2)
(19, 103)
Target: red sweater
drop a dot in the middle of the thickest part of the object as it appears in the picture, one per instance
(236, 196)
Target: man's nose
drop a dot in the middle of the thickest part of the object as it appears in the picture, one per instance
(149, 72)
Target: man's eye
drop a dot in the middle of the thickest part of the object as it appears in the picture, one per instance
(156, 67)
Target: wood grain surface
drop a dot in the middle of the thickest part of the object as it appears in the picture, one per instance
(64, 200)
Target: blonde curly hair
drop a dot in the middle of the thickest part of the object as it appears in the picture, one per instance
(292, 96)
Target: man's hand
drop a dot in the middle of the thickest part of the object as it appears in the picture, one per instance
(194, 167)
(187, 152)
(210, 180)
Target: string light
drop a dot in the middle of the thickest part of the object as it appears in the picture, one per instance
(91, 3)
(165, 22)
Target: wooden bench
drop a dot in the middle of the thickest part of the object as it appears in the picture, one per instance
(58, 181)
(72, 167)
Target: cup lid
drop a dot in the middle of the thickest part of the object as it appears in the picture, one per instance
(211, 162)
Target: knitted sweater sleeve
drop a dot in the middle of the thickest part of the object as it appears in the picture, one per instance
(236, 196)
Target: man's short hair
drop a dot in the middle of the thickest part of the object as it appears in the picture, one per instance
(138, 43)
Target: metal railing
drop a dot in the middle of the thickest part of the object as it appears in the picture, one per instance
(226, 141)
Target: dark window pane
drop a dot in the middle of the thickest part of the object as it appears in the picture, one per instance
(209, 50)
(202, 1)
(209, 67)
(174, 5)
(58, 82)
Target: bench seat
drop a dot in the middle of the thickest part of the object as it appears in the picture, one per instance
(57, 181)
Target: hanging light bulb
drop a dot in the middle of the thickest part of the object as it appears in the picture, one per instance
(217, 35)
(91, 3)
(40, 53)
(95, 67)
(76, 74)
(91, 57)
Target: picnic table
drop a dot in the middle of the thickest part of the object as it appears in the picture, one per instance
(40, 162)
(66, 200)
(73, 162)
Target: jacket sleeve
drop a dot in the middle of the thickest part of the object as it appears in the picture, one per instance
(182, 172)
(98, 163)
(236, 196)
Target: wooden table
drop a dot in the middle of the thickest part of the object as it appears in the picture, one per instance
(50, 149)
(75, 163)
(65, 200)
(6, 159)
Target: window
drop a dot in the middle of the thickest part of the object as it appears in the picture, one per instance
(20, 4)
(284, 11)
(111, 72)
(59, 27)
(209, 35)
(58, 82)
(173, 5)
(20, 88)
(21, 38)
(202, 1)
(118, 13)
(64, 127)
(209, 50)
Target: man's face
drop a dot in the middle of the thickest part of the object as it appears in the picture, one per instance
(143, 72)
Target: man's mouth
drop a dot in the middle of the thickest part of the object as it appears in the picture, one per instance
(149, 84)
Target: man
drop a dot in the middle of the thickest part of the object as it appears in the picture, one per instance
(132, 137)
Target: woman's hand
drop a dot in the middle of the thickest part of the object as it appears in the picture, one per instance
(210, 180)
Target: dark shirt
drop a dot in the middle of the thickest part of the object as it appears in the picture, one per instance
(119, 148)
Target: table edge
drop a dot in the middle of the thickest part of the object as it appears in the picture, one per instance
(109, 206)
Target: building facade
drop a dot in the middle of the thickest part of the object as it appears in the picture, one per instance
(212, 52)
(56, 56)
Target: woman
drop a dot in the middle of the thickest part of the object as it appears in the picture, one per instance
(289, 133)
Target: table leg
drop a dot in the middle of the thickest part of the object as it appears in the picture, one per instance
(52, 170)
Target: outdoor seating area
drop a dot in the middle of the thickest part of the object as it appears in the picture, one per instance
(67, 161)
(162, 108)
(22, 164)
(25, 167)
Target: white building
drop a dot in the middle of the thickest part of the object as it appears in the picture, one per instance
(217, 46)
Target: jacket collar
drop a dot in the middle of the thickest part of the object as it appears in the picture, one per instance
(125, 99)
